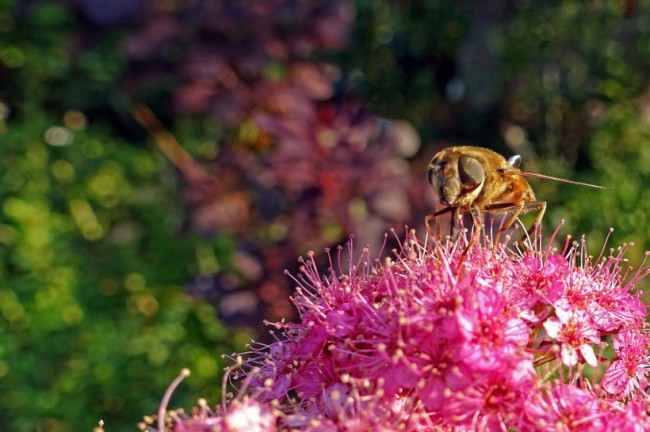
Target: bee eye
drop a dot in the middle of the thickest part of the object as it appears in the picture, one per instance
(432, 175)
(434, 169)
(470, 171)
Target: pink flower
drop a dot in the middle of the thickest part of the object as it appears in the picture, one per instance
(542, 281)
(246, 415)
(575, 334)
(483, 401)
(275, 373)
(565, 407)
(491, 334)
(424, 342)
(249, 416)
(629, 369)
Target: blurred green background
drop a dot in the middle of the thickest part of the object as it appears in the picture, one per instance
(126, 255)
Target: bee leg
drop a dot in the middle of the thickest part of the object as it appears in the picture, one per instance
(438, 225)
(455, 223)
(427, 224)
(478, 225)
(428, 218)
(534, 205)
(517, 209)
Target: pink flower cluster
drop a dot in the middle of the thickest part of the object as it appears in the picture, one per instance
(504, 340)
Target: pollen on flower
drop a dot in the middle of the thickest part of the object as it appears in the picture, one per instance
(430, 339)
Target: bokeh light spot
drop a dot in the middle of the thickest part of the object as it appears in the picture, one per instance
(75, 120)
(63, 170)
(72, 314)
(135, 282)
(58, 136)
(92, 149)
(206, 367)
(12, 57)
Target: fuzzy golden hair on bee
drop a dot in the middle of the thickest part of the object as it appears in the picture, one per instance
(477, 181)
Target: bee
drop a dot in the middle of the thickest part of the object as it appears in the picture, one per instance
(477, 180)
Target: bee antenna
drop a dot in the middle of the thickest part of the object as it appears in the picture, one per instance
(548, 177)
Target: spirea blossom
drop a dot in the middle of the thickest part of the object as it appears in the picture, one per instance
(503, 339)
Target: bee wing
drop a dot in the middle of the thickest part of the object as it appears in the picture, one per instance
(548, 177)
(515, 161)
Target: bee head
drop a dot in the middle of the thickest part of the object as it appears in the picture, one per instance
(454, 176)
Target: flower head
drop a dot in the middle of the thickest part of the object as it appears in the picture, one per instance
(498, 340)
(630, 367)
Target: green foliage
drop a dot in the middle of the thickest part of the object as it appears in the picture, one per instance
(620, 150)
(561, 60)
(94, 318)
(575, 73)
(401, 54)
